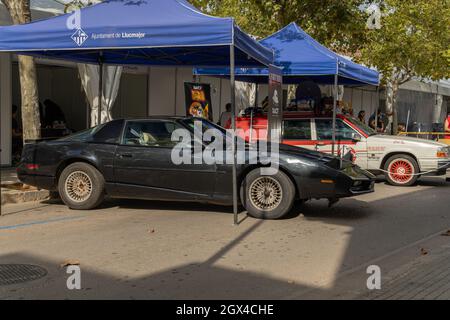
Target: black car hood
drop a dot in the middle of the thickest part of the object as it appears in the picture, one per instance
(329, 160)
(311, 155)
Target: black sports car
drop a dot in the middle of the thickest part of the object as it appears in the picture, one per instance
(133, 159)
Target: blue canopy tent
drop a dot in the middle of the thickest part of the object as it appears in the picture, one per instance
(303, 58)
(156, 32)
(149, 32)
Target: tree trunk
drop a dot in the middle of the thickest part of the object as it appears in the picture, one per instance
(31, 126)
(392, 88)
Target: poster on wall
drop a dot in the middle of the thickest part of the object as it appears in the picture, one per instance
(198, 100)
(275, 111)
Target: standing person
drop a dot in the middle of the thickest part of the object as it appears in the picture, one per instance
(225, 116)
(447, 126)
(362, 116)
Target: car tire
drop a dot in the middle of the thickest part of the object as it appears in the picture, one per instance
(81, 186)
(267, 197)
(401, 170)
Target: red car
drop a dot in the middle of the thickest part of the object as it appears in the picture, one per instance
(402, 159)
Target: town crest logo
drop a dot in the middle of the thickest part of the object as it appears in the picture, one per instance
(79, 37)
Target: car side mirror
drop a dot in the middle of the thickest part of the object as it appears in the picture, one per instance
(356, 137)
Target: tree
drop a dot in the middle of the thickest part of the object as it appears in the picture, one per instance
(413, 41)
(31, 125)
(337, 24)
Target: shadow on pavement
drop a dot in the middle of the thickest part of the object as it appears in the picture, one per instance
(208, 280)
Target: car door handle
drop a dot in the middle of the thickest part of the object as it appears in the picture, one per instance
(125, 155)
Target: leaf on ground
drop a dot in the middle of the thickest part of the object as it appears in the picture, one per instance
(70, 262)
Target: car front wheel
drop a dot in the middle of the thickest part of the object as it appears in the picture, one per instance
(401, 170)
(267, 196)
(81, 186)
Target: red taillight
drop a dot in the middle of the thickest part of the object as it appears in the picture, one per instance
(32, 166)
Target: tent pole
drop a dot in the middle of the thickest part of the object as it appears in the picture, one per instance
(233, 126)
(100, 88)
(376, 109)
(334, 112)
(256, 95)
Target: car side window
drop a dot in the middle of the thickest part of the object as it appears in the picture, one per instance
(324, 130)
(153, 133)
(299, 129)
(109, 133)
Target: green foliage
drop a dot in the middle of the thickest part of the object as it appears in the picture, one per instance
(414, 40)
(337, 24)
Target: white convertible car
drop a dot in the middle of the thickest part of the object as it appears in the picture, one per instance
(401, 159)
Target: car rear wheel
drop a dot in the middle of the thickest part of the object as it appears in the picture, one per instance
(401, 170)
(267, 197)
(81, 186)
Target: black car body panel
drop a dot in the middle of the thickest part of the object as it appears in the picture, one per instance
(143, 172)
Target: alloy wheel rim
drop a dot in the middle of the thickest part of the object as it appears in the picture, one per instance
(401, 171)
(78, 186)
(265, 193)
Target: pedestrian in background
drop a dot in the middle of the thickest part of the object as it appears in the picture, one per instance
(16, 136)
(447, 126)
(226, 115)
(380, 126)
(401, 127)
(362, 116)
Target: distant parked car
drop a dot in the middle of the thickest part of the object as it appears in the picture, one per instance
(132, 159)
(401, 159)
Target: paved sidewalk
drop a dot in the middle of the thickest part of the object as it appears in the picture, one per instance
(418, 271)
(425, 278)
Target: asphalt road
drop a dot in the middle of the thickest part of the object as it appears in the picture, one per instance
(153, 250)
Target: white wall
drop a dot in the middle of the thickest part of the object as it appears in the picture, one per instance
(362, 99)
(166, 94)
(5, 106)
(131, 101)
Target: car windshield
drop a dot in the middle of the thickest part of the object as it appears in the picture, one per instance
(207, 125)
(362, 126)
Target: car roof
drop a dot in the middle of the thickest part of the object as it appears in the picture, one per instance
(299, 115)
(154, 118)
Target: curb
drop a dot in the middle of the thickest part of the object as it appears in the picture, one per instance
(9, 196)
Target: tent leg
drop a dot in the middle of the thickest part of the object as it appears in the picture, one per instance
(233, 126)
(256, 96)
(100, 90)
(334, 113)
(376, 110)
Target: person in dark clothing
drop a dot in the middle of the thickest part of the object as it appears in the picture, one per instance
(16, 135)
(380, 121)
(53, 114)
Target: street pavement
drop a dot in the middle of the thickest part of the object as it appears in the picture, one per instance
(154, 250)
